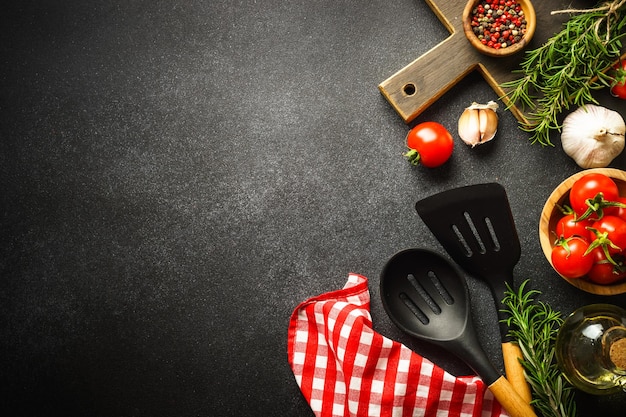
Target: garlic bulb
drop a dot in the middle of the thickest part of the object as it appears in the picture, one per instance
(478, 123)
(593, 136)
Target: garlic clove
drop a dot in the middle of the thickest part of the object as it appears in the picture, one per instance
(469, 127)
(478, 123)
(593, 136)
(488, 125)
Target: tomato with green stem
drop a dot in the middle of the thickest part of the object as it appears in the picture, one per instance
(591, 194)
(619, 211)
(430, 144)
(603, 271)
(569, 226)
(609, 233)
(570, 259)
(618, 86)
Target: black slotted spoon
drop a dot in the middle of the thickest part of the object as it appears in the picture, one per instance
(475, 226)
(426, 297)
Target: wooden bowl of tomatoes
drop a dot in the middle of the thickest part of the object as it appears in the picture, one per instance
(499, 28)
(582, 230)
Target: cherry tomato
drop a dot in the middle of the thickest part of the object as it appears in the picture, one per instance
(610, 232)
(567, 226)
(617, 211)
(619, 90)
(429, 143)
(592, 189)
(603, 271)
(569, 259)
(618, 86)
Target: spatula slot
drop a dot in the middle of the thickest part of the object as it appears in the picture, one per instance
(472, 227)
(492, 233)
(487, 241)
(430, 302)
(441, 289)
(462, 241)
(417, 312)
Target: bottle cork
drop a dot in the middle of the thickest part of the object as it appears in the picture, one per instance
(617, 353)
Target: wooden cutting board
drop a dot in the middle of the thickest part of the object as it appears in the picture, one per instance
(418, 85)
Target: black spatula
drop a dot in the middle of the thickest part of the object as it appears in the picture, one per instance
(475, 226)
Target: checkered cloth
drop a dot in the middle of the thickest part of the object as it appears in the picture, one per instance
(344, 368)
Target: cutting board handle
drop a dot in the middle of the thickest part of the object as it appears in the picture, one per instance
(415, 87)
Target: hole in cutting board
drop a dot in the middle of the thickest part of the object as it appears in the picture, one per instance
(409, 89)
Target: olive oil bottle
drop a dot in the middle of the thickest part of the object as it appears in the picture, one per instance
(591, 349)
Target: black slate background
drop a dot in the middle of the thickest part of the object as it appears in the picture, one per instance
(176, 176)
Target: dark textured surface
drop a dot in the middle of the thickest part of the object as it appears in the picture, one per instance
(176, 176)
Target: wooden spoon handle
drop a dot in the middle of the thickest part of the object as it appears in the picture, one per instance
(510, 399)
(512, 354)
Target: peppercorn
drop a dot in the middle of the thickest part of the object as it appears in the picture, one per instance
(500, 22)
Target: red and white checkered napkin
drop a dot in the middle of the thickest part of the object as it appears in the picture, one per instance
(344, 368)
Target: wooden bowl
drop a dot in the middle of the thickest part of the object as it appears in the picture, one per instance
(551, 214)
(531, 24)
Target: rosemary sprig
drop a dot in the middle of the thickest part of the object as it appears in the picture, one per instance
(535, 325)
(567, 68)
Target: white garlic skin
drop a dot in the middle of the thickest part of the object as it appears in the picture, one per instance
(593, 136)
(478, 123)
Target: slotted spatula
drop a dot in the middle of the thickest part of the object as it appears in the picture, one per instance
(426, 296)
(475, 226)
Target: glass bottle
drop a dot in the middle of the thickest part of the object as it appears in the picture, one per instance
(591, 348)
